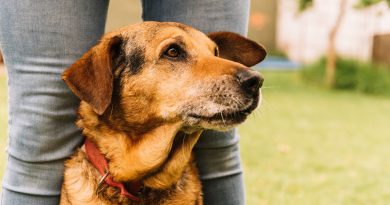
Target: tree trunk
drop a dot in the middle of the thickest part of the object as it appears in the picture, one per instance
(331, 53)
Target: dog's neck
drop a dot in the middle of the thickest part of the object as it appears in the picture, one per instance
(152, 158)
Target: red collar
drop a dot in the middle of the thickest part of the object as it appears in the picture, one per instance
(101, 164)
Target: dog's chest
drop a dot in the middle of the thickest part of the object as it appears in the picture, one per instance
(81, 179)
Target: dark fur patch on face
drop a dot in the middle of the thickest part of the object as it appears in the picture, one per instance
(130, 63)
(137, 59)
(125, 63)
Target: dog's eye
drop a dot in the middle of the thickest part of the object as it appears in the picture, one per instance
(172, 51)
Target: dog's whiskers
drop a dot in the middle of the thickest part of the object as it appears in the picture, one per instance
(238, 101)
(223, 120)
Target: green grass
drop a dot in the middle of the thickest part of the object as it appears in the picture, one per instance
(307, 146)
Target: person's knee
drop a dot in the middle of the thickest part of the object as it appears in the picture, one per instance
(9, 197)
(33, 178)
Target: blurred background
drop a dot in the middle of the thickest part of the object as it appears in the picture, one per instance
(322, 134)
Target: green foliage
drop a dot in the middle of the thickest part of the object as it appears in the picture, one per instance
(373, 80)
(367, 3)
(346, 74)
(314, 73)
(304, 4)
(277, 53)
(351, 75)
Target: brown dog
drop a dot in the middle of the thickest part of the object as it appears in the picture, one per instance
(147, 91)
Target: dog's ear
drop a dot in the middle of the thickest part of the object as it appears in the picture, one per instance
(91, 77)
(237, 48)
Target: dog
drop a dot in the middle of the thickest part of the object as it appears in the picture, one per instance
(147, 92)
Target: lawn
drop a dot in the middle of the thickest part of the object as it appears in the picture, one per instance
(308, 146)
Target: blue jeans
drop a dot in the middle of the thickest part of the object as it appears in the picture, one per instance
(39, 39)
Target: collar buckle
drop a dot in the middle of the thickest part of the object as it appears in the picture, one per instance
(100, 187)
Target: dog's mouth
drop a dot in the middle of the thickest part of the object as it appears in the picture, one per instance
(226, 116)
(224, 119)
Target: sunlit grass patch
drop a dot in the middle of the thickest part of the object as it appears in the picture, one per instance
(312, 146)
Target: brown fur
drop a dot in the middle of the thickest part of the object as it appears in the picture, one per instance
(146, 110)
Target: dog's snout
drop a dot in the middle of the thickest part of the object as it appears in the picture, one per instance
(250, 80)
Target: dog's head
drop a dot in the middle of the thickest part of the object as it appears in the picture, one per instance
(168, 72)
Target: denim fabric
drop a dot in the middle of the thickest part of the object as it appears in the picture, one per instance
(227, 190)
(39, 39)
(205, 15)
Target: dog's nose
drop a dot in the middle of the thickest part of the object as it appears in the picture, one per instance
(250, 80)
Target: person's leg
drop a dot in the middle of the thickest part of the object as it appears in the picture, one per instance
(217, 153)
(218, 159)
(39, 39)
